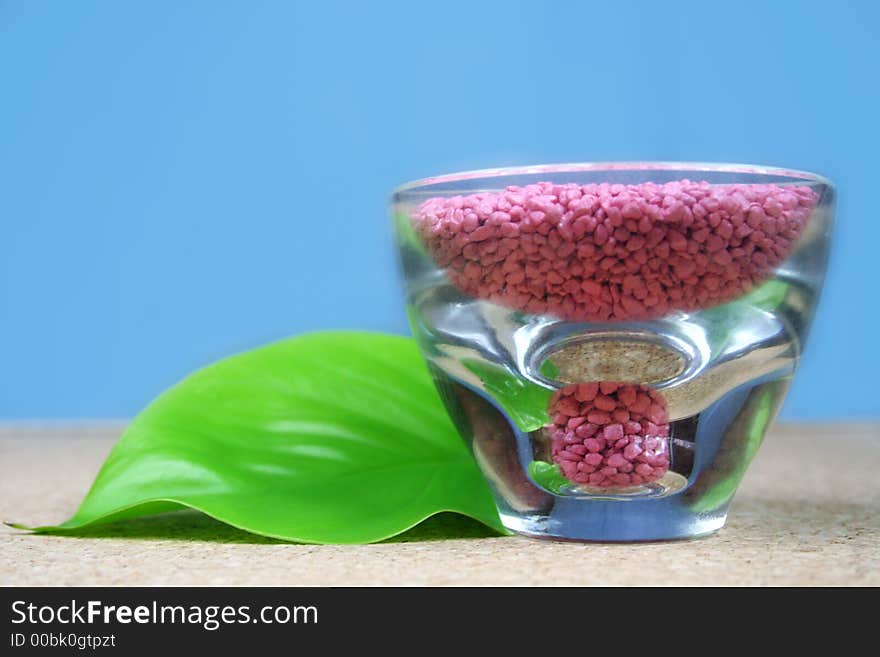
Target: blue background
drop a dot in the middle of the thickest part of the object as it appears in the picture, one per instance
(179, 181)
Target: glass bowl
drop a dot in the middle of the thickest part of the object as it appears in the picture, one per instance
(613, 339)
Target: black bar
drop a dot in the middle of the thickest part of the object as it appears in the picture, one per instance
(261, 619)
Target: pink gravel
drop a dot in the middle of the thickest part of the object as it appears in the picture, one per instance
(603, 252)
(607, 450)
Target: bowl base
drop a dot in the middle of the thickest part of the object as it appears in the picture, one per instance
(621, 527)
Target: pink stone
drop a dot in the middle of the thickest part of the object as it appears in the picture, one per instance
(599, 417)
(641, 404)
(592, 445)
(482, 233)
(590, 438)
(657, 413)
(613, 432)
(568, 406)
(627, 395)
(586, 391)
(586, 430)
(605, 403)
(584, 254)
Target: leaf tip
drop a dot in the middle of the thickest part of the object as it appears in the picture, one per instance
(15, 525)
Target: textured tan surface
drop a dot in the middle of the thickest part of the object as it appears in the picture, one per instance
(807, 513)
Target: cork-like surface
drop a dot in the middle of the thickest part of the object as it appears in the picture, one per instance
(616, 360)
(808, 513)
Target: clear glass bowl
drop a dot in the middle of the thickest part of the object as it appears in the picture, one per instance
(612, 340)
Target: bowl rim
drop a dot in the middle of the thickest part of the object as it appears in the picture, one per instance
(647, 165)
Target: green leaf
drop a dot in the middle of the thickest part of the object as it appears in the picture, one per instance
(727, 318)
(525, 402)
(768, 296)
(406, 234)
(549, 370)
(718, 484)
(548, 476)
(326, 438)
